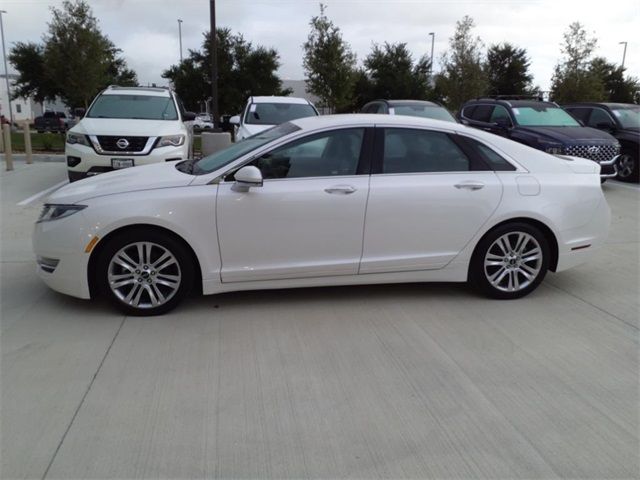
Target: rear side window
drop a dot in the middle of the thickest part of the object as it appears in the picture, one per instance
(421, 151)
(493, 159)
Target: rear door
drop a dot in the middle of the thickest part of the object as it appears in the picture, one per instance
(427, 199)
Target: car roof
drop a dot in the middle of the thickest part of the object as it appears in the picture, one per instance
(149, 91)
(601, 104)
(275, 99)
(393, 103)
(511, 103)
(365, 119)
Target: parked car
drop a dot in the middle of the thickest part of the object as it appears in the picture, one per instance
(622, 120)
(545, 126)
(331, 200)
(53, 122)
(413, 108)
(203, 122)
(261, 113)
(126, 127)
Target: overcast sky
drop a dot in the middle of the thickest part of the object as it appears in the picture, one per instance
(147, 31)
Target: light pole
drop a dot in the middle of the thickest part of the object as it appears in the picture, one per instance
(433, 39)
(180, 37)
(624, 53)
(6, 71)
(214, 65)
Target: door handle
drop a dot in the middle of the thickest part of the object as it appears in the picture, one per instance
(340, 189)
(469, 185)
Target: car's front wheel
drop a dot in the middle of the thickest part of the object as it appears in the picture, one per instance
(145, 273)
(628, 167)
(510, 261)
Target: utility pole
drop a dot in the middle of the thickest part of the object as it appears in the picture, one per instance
(180, 37)
(6, 71)
(214, 66)
(433, 39)
(624, 53)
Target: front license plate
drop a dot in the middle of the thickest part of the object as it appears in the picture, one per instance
(121, 162)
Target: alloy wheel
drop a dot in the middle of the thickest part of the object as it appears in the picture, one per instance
(626, 165)
(513, 261)
(144, 275)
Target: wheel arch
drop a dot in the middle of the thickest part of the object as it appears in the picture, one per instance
(104, 241)
(546, 231)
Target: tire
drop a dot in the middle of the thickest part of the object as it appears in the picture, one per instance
(628, 168)
(502, 271)
(136, 290)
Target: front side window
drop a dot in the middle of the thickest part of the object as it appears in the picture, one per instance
(580, 113)
(215, 161)
(421, 151)
(500, 114)
(136, 107)
(629, 117)
(543, 116)
(321, 155)
(599, 118)
(277, 113)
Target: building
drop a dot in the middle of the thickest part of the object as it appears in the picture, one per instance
(24, 108)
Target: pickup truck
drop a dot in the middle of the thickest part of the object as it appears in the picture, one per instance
(53, 122)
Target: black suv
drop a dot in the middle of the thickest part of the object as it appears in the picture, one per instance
(545, 126)
(622, 120)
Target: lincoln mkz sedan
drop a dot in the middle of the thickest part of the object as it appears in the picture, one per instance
(318, 201)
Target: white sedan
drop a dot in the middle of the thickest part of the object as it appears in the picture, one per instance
(333, 200)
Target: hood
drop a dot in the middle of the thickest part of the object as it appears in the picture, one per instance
(148, 177)
(126, 127)
(571, 135)
(253, 129)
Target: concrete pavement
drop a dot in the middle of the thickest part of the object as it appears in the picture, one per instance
(395, 381)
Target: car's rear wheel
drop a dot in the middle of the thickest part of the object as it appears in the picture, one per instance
(510, 261)
(628, 168)
(145, 273)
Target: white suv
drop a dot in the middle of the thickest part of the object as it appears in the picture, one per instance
(262, 113)
(129, 126)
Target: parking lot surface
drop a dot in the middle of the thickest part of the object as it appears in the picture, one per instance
(390, 381)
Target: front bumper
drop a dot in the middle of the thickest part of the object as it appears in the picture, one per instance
(609, 168)
(91, 163)
(60, 257)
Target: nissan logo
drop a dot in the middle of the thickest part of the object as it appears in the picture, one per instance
(594, 150)
(122, 143)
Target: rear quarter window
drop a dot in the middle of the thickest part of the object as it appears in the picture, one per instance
(492, 158)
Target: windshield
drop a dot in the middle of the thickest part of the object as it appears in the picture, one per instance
(629, 117)
(276, 113)
(143, 107)
(425, 111)
(544, 116)
(213, 162)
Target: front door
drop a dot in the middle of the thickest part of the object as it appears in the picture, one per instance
(306, 220)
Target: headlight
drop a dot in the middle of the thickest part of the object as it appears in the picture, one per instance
(73, 138)
(171, 141)
(54, 212)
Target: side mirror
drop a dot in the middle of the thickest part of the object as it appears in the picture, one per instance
(235, 120)
(246, 178)
(79, 112)
(188, 117)
(605, 126)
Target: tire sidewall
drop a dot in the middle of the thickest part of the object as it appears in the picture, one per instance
(141, 235)
(477, 275)
(635, 174)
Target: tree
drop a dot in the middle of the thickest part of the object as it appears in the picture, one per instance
(573, 79)
(329, 63)
(462, 76)
(617, 88)
(75, 61)
(243, 70)
(393, 74)
(507, 70)
(28, 60)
